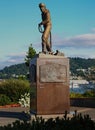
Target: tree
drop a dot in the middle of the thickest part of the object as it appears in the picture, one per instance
(30, 54)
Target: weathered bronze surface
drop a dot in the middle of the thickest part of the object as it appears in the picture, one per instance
(52, 72)
(46, 22)
(51, 95)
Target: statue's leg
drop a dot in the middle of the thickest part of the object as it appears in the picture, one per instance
(44, 44)
(46, 37)
(48, 47)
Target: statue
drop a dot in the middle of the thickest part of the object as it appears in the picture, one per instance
(46, 33)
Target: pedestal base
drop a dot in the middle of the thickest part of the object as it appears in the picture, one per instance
(50, 88)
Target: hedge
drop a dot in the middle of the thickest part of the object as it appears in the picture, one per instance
(14, 88)
(4, 100)
(90, 94)
(77, 122)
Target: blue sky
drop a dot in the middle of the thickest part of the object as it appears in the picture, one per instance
(73, 28)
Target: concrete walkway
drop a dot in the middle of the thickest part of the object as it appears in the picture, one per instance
(9, 115)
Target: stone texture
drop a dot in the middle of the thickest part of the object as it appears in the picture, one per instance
(52, 72)
(51, 95)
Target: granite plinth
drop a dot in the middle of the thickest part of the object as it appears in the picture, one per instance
(49, 76)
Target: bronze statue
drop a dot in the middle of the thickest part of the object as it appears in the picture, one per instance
(46, 33)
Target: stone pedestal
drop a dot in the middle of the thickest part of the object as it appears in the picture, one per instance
(49, 76)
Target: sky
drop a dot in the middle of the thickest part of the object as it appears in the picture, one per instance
(73, 28)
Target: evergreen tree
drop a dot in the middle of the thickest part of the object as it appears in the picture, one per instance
(30, 54)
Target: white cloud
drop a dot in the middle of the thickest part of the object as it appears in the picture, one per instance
(76, 46)
(17, 54)
(82, 41)
(93, 29)
(14, 58)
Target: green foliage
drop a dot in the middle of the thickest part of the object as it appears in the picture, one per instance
(87, 94)
(84, 68)
(14, 71)
(4, 100)
(90, 93)
(75, 95)
(14, 88)
(77, 122)
(30, 54)
(81, 63)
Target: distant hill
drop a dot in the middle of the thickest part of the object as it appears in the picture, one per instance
(81, 63)
(22, 69)
(14, 70)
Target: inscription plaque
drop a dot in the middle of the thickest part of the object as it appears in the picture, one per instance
(53, 73)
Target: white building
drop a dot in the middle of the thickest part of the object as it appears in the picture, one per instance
(78, 83)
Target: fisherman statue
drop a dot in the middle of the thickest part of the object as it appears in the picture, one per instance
(46, 31)
(45, 28)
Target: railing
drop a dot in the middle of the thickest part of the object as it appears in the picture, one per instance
(83, 102)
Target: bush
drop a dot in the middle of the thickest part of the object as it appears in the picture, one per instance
(90, 93)
(4, 99)
(14, 88)
(75, 95)
(77, 122)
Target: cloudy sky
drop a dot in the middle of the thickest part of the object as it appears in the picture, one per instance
(73, 28)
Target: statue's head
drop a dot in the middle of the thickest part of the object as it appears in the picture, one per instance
(42, 7)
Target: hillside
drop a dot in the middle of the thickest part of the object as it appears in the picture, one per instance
(14, 70)
(75, 64)
(81, 63)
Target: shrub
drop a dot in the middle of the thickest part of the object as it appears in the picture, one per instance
(77, 122)
(90, 93)
(4, 99)
(75, 95)
(14, 88)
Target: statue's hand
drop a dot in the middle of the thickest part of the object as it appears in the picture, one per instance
(40, 28)
(39, 24)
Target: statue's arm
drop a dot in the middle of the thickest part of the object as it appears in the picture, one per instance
(47, 20)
